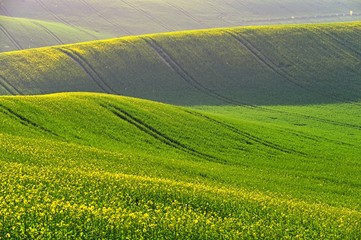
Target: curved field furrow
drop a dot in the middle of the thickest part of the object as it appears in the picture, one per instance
(328, 121)
(46, 8)
(315, 118)
(146, 14)
(126, 116)
(9, 87)
(249, 136)
(341, 46)
(5, 87)
(314, 137)
(56, 38)
(96, 11)
(171, 63)
(189, 15)
(321, 88)
(10, 37)
(343, 43)
(4, 11)
(25, 121)
(88, 69)
(272, 66)
(220, 14)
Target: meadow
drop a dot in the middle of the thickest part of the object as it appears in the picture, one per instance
(229, 133)
(86, 165)
(23, 33)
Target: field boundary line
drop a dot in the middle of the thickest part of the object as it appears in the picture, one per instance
(88, 69)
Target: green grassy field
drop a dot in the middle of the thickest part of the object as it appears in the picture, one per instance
(274, 65)
(85, 165)
(261, 140)
(125, 17)
(20, 33)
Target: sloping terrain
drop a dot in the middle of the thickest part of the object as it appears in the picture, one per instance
(20, 33)
(81, 165)
(124, 17)
(275, 65)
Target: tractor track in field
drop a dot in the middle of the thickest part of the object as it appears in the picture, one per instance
(173, 65)
(331, 122)
(8, 86)
(88, 69)
(247, 135)
(96, 11)
(156, 134)
(314, 137)
(220, 14)
(56, 38)
(189, 15)
(147, 15)
(10, 37)
(46, 8)
(339, 43)
(25, 121)
(4, 10)
(317, 119)
(51, 12)
(272, 66)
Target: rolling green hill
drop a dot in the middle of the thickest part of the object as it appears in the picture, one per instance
(82, 165)
(19, 33)
(125, 17)
(274, 65)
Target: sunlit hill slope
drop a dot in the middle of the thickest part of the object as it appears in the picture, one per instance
(290, 64)
(83, 165)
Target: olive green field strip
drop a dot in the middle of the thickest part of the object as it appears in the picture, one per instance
(249, 66)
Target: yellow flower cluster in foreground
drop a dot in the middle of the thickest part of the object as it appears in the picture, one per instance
(56, 202)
